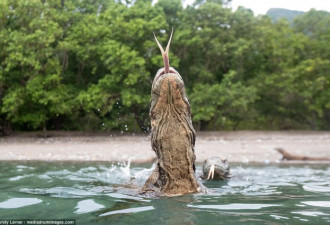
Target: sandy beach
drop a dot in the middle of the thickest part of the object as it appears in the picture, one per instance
(238, 146)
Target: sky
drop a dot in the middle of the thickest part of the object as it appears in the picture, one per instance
(261, 6)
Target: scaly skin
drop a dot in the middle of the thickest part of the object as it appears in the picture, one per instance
(172, 136)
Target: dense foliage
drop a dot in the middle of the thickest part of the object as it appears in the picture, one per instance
(89, 65)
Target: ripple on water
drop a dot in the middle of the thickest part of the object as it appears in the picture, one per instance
(18, 177)
(317, 187)
(122, 196)
(265, 193)
(86, 206)
(310, 213)
(14, 203)
(318, 203)
(279, 217)
(130, 210)
(60, 192)
(234, 206)
(21, 168)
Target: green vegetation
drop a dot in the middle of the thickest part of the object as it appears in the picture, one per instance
(89, 65)
(277, 13)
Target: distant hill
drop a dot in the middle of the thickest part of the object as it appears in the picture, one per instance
(278, 13)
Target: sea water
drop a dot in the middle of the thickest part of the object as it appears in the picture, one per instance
(109, 193)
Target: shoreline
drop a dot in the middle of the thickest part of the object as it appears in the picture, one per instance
(237, 146)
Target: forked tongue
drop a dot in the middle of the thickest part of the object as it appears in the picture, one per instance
(165, 53)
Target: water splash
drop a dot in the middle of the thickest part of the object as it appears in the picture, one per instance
(120, 171)
(126, 168)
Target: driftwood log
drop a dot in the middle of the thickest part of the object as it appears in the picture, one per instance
(172, 134)
(288, 156)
